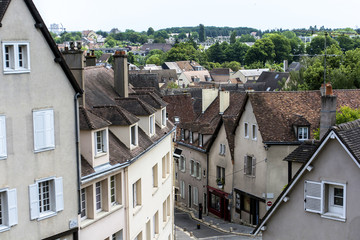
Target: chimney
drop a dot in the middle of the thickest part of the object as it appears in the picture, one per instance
(90, 59)
(224, 101)
(286, 65)
(328, 110)
(75, 60)
(208, 96)
(121, 75)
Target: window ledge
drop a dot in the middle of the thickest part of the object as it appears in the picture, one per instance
(166, 178)
(46, 215)
(3, 157)
(137, 209)
(155, 189)
(4, 228)
(12, 71)
(333, 216)
(88, 221)
(167, 221)
(44, 149)
(100, 154)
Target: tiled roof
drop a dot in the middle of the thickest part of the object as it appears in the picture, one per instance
(150, 98)
(276, 112)
(271, 80)
(116, 115)
(144, 80)
(253, 72)
(180, 105)
(303, 153)
(90, 121)
(186, 66)
(163, 74)
(135, 106)
(197, 74)
(172, 65)
(86, 168)
(3, 6)
(350, 134)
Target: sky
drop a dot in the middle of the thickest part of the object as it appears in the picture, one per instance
(139, 15)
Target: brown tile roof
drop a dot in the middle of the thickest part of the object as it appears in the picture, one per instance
(136, 106)
(150, 98)
(3, 6)
(86, 168)
(180, 105)
(276, 112)
(116, 115)
(185, 66)
(90, 121)
(220, 75)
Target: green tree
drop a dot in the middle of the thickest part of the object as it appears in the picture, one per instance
(282, 47)
(161, 34)
(110, 42)
(261, 51)
(318, 43)
(102, 33)
(347, 114)
(182, 35)
(236, 52)
(233, 65)
(202, 36)
(216, 52)
(150, 31)
(98, 54)
(247, 38)
(233, 37)
(154, 59)
(345, 43)
(194, 35)
(181, 52)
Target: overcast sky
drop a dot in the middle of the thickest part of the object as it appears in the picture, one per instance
(139, 15)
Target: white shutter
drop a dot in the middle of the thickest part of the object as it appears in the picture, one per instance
(105, 140)
(59, 194)
(34, 201)
(253, 167)
(245, 164)
(49, 129)
(313, 196)
(12, 207)
(95, 144)
(39, 130)
(2, 137)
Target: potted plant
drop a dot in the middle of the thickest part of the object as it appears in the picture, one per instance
(220, 182)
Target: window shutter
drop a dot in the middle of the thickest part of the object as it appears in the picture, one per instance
(134, 195)
(12, 207)
(313, 196)
(34, 201)
(245, 164)
(49, 128)
(39, 130)
(2, 137)
(199, 171)
(105, 141)
(95, 144)
(59, 194)
(253, 167)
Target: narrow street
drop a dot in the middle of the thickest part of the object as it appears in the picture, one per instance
(186, 226)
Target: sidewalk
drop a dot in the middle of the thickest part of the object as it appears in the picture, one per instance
(220, 224)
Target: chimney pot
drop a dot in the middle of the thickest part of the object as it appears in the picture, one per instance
(328, 90)
(72, 46)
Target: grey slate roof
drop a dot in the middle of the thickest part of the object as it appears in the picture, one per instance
(136, 106)
(350, 134)
(90, 121)
(303, 153)
(271, 80)
(116, 115)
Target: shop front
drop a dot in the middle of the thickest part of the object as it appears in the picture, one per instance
(247, 205)
(218, 203)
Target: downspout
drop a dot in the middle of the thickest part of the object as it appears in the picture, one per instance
(207, 183)
(77, 95)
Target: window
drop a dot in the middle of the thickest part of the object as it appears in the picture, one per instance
(137, 193)
(191, 137)
(152, 125)
(197, 170)
(112, 190)
(163, 116)
(196, 196)
(200, 140)
(182, 189)
(192, 166)
(115, 189)
(182, 163)
(100, 142)
(155, 176)
(326, 198)
(164, 163)
(16, 57)
(8, 209)
(249, 165)
(182, 134)
(43, 121)
(166, 209)
(46, 198)
(303, 133)
(220, 175)
(134, 140)
(222, 149)
(3, 150)
(214, 202)
(155, 224)
(246, 130)
(83, 203)
(117, 236)
(98, 204)
(254, 132)
(139, 236)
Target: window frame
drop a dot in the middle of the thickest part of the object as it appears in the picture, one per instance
(222, 149)
(103, 141)
(8, 209)
(152, 125)
(250, 169)
(98, 197)
(300, 130)
(47, 134)
(137, 193)
(83, 204)
(246, 130)
(155, 176)
(254, 132)
(14, 57)
(134, 135)
(56, 199)
(163, 117)
(182, 163)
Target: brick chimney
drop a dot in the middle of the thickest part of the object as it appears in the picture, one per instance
(208, 96)
(121, 73)
(90, 59)
(328, 109)
(75, 60)
(224, 101)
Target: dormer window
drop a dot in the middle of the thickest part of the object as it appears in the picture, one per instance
(152, 125)
(163, 116)
(303, 133)
(182, 134)
(191, 137)
(100, 142)
(200, 140)
(134, 135)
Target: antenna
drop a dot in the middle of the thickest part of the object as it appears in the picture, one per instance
(325, 59)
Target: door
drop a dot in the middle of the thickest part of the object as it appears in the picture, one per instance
(189, 196)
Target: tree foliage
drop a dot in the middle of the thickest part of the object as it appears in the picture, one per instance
(347, 114)
(263, 50)
(202, 36)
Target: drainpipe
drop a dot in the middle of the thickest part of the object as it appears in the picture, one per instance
(76, 103)
(207, 183)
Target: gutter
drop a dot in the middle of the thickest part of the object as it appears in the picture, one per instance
(283, 143)
(116, 167)
(192, 147)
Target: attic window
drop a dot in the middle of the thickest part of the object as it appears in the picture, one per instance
(303, 133)
(16, 57)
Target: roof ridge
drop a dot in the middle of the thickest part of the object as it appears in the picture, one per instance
(348, 125)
